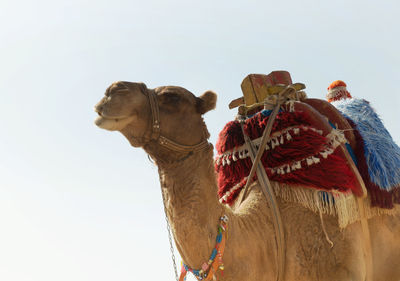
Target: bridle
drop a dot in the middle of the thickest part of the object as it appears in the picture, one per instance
(164, 141)
(155, 135)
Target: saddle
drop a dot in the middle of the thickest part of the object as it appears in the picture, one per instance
(305, 148)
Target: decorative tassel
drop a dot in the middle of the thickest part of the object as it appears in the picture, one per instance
(234, 157)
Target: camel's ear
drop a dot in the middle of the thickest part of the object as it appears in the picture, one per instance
(206, 102)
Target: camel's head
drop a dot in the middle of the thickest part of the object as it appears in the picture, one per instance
(126, 107)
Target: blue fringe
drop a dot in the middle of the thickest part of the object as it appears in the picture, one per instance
(381, 152)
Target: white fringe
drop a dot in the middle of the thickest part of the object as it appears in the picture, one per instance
(276, 139)
(344, 206)
(229, 192)
(335, 138)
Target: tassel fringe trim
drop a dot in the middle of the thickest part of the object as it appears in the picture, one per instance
(334, 139)
(342, 205)
(276, 139)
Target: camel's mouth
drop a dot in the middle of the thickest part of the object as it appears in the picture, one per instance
(110, 117)
(108, 122)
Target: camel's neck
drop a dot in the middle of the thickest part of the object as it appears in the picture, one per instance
(192, 205)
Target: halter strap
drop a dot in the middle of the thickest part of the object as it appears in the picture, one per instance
(164, 141)
(155, 115)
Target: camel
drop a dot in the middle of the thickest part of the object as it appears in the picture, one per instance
(188, 181)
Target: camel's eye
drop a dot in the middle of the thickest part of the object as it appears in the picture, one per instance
(170, 98)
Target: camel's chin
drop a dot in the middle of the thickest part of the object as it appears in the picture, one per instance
(112, 124)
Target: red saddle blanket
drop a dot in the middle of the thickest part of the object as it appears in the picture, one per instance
(298, 153)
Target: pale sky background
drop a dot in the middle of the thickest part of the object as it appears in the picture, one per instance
(78, 203)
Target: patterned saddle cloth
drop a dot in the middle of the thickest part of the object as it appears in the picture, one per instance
(297, 153)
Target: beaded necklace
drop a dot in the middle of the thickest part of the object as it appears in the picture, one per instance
(209, 268)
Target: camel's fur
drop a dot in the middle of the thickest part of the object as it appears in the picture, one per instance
(193, 209)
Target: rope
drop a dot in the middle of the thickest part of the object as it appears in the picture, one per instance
(324, 229)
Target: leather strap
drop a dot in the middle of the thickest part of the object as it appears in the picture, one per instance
(266, 188)
(265, 184)
(366, 241)
(182, 148)
(281, 99)
(155, 116)
(164, 141)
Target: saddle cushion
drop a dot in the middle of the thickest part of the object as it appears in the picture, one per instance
(297, 153)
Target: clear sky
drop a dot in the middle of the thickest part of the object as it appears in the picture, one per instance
(78, 203)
